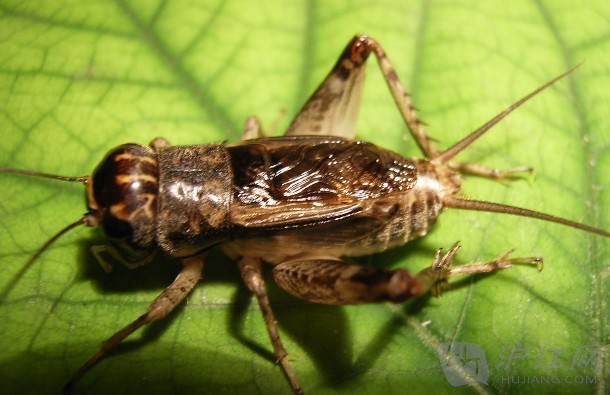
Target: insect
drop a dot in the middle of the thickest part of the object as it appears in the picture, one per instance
(300, 202)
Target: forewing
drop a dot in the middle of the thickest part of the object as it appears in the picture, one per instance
(299, 182)
(344, 226)
(290, 215)
(332, 110)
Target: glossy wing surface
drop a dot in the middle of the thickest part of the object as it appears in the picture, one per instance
(285, 182)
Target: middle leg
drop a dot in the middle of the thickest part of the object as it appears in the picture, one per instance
(251, 272)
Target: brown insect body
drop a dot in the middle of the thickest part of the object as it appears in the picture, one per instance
(328, 195)
(299, 202)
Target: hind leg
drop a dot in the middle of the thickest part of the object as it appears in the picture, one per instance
(335, 282)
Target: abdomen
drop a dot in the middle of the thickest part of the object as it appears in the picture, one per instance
(324, 196)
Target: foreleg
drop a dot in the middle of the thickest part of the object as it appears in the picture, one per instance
(159, 308)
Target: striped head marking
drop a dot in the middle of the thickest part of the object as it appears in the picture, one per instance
(122, 193)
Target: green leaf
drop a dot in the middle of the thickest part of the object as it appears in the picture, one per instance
(77, 79)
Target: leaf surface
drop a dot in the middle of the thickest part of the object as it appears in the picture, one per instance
(78, 78)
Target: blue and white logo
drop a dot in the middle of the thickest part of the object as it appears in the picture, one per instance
(463, 363)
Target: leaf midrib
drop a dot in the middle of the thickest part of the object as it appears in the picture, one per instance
(598, 314)
(184, 77)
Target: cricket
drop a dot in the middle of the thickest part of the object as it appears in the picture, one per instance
(304, 202)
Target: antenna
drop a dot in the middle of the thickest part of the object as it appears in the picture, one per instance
(458, 147)
(9, 287)
(84, 220)
(83, 179)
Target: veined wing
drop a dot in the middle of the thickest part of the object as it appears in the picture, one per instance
(332, 110)
(302, 181)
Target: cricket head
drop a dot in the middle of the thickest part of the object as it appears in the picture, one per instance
(121, 195)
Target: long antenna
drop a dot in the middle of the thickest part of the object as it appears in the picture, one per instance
(31, 173)
(452, 151)
(479, 205)
(9, 287)
(85, 220)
